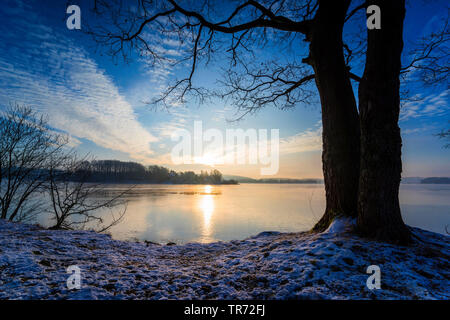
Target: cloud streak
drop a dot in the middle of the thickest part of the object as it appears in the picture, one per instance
(41, 68)
(306, 141)
(429, 106)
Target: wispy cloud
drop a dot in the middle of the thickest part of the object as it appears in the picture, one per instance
(161, 70)
(165, 129)
(308, 140)
(42, 68)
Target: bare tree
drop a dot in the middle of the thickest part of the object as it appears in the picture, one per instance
(77, 204)
(379, 104)
(205, 28)
(242, 31)
(26, 146)
(34, 161)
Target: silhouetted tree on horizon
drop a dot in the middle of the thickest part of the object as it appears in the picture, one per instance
(27, 146)
(75, 203)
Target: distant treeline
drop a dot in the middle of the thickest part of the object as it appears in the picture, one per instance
(115, 171)
(436, 180)
(428, 180)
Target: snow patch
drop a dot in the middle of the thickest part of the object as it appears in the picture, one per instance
(341, 225)
(329, 265)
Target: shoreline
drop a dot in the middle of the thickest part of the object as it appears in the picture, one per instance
(271, 265)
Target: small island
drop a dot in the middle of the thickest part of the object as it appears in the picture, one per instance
(116, 171)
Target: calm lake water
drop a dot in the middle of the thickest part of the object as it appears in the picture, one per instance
(187, 213)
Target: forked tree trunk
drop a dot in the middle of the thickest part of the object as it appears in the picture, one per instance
(379, 102)
(340, 156)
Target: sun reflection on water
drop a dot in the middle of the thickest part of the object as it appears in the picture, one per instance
(208, 189)
(206, 205)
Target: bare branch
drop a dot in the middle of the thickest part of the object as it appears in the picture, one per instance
(431, 57)
(73, 201)
(196, 32)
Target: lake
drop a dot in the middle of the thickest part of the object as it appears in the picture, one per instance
(188, 213)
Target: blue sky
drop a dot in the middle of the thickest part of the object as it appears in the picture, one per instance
(100, 103)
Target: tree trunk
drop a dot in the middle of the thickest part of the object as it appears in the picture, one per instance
(340, 156)
(379, 103)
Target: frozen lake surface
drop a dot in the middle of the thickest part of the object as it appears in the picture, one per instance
(199, 213)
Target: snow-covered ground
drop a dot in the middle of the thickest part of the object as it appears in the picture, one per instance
(331, 265)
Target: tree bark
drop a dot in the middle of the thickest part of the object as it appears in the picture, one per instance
(379, 103)
(340, 156)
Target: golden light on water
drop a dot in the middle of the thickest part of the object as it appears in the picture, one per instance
(208, 189)
(206, 205)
